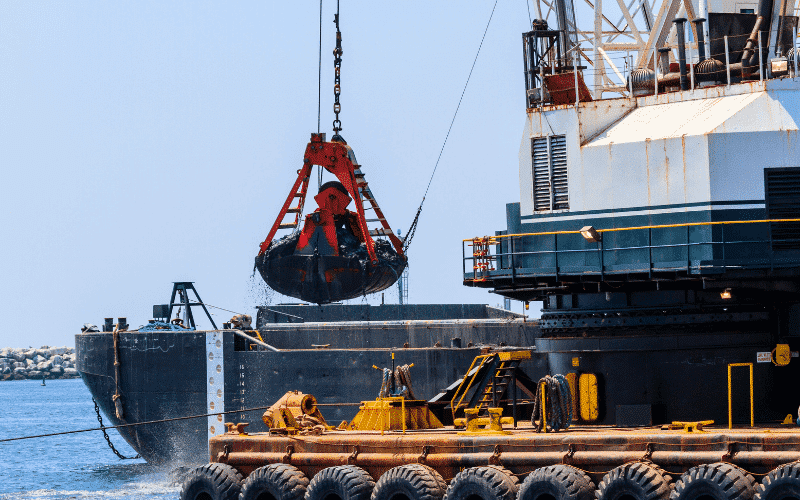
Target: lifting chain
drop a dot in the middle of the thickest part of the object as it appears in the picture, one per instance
(337, 66)
(108, 439)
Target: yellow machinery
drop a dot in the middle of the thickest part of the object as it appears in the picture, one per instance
(295, 411)
(394, 414)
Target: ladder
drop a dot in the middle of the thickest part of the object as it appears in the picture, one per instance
(297, 210)
(482, 258)
(367, 196)
(486, 382)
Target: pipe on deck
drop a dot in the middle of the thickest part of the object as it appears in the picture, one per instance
(679, 27)
(256, 341)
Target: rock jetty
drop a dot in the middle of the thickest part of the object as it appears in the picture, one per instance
(44, 362)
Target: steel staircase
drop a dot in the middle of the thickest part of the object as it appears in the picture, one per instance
(486, 383)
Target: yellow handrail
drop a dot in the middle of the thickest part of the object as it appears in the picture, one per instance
(483, 358)
(658, 226)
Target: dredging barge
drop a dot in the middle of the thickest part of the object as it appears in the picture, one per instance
(661, 230)
(168, 374)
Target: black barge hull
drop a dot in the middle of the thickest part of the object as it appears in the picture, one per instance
(643, 380)
(168, 375)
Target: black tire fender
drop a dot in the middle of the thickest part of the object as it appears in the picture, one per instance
(640, 480)
(280, 481)
(781, 483)
(412, 481)
(720, 481)
(490, 482)
(212, 481)
(341, 482)
(562, 482)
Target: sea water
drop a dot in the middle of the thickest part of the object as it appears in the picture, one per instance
(72, 466)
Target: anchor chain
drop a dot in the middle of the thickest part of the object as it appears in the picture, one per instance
(108, 439)
(337, 66)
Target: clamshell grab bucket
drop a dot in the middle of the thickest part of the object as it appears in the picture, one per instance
(334, 256)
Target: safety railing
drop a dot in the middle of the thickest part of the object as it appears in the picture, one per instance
(619, 75)
(514, 256)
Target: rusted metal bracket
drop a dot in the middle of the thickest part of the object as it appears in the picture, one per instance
(495, 458)
(424, 455)
(648, 453)
(222, 457)
(729, 455)
(236, 428)
(353, 456)
(287, 458)
(568, 456)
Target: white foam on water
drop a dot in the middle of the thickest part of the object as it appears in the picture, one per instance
(132, 491)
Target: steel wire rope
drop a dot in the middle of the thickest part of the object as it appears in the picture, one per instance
(413, 227)
(398, 445)
(149, 422)
(265, 308)
(528, 5)
(319, 72)
(319, 91)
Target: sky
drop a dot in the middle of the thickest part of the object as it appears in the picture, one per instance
(148, 142)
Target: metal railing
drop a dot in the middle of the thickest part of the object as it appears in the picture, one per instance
(622, 78)
(483, 262)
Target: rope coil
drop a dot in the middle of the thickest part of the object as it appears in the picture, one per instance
(557, 405)
(402, 383)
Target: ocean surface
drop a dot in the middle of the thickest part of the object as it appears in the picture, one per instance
(72, 466)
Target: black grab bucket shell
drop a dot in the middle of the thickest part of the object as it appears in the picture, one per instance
(323, 279)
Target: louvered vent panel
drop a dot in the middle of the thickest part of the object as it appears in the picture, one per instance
(541, 175)
(783, 202)
(558, 158)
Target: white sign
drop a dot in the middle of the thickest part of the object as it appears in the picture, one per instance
(763, 357)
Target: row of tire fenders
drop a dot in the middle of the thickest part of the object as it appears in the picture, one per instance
(641, 480)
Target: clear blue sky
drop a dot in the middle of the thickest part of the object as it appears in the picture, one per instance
(148, 142)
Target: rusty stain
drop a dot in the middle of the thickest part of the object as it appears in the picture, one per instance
(666, 182)
(685, 180)
(666, 170)
(647, 166)
(610, 171)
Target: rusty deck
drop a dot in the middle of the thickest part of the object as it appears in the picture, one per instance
(594, 449)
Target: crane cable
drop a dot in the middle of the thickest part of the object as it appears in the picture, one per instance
(337, 65)
(528, 5)
(413, 228)
(319, 71)
(319, 91)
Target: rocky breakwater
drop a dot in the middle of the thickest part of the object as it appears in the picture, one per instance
(44, 362)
